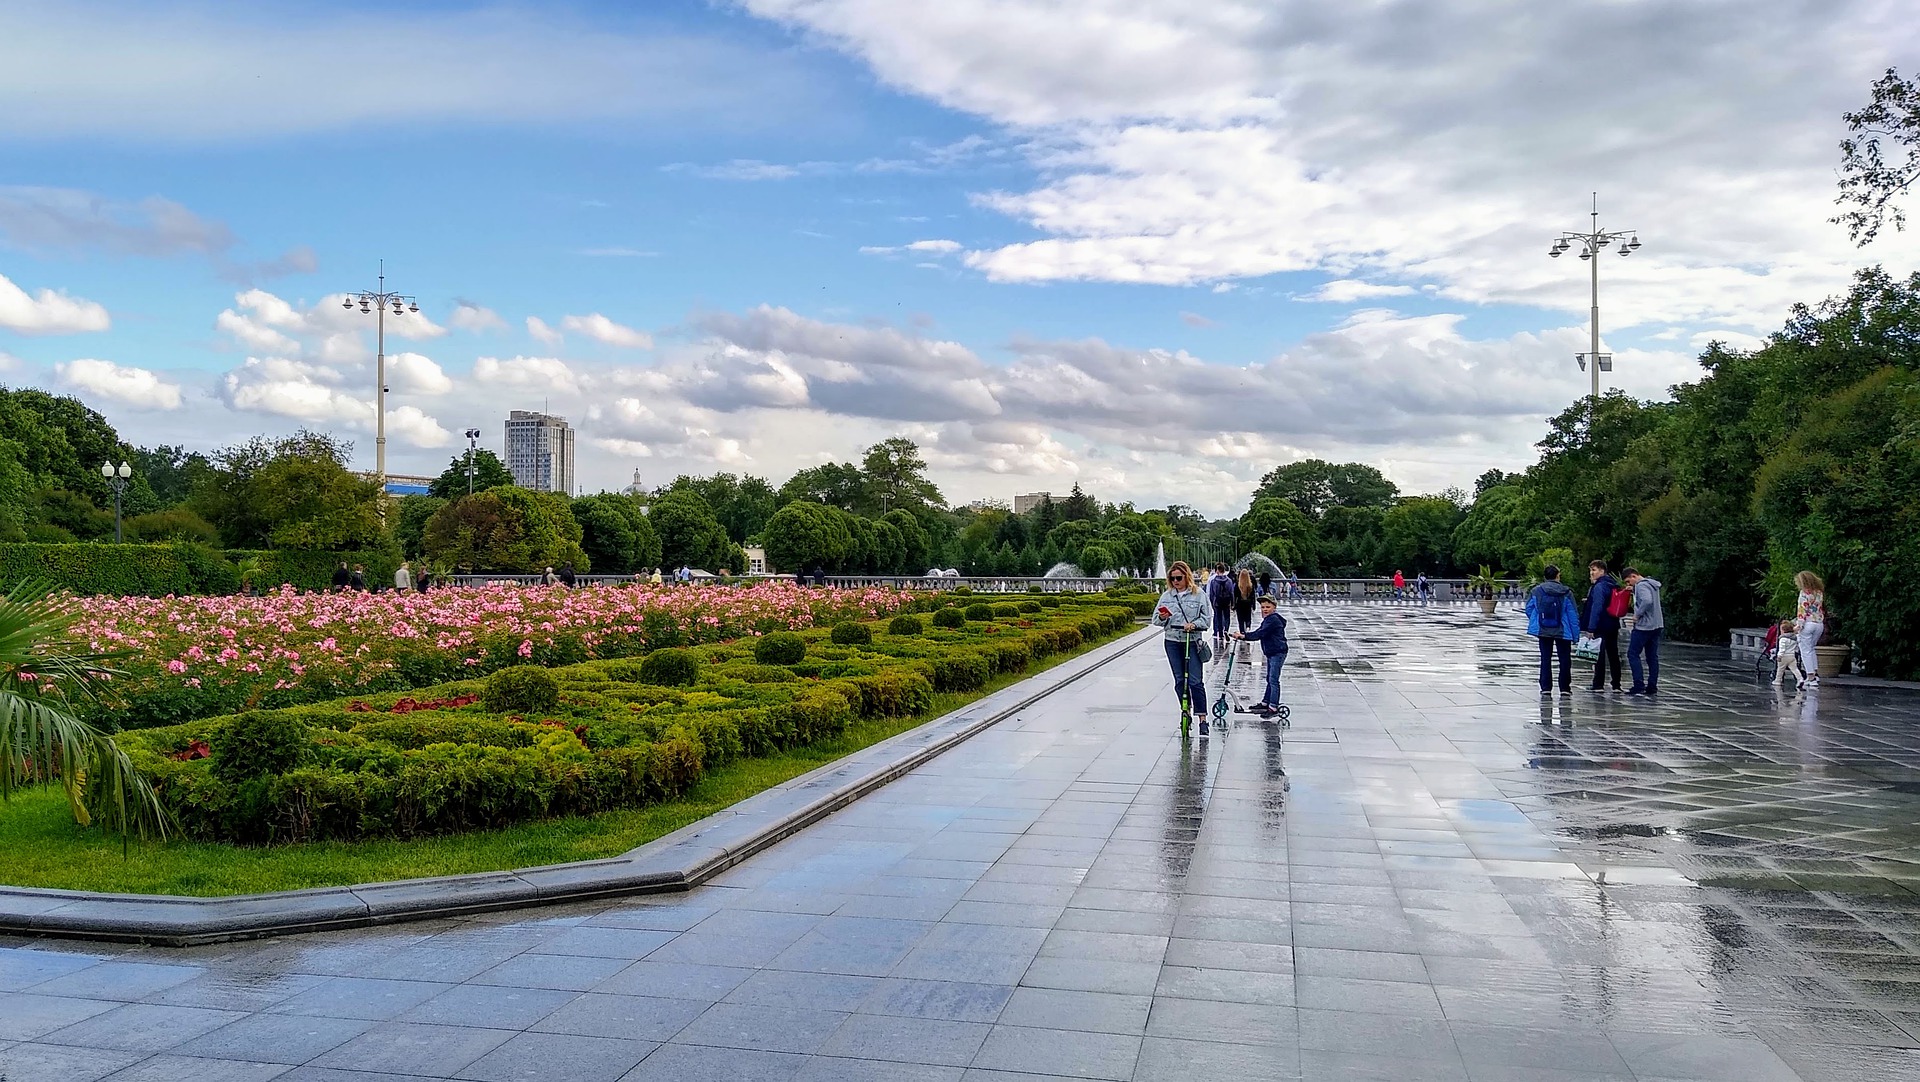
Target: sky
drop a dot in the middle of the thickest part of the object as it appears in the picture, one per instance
(1149, 246)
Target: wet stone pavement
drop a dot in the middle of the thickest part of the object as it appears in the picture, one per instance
(1433, 874)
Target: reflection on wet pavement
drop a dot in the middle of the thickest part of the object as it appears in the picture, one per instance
(1434, 874)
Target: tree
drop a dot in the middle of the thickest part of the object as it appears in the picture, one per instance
(835, 484)
(174, 524)
(689, 534)
(410, 523)
(294, 492)
(488, 472)
(506, 529)
(896, 475)
(916, 545)
(616, 533)
(1078, 506)
(1271, 519)
(1868, 183)
(804, 535)
(170, 472)
(1500, 530)
(1419, 533)
(1314, 486)
(741, 504)
(63, 444)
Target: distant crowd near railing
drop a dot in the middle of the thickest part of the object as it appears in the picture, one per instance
(1299, 591)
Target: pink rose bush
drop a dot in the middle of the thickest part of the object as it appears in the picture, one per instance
(192, 657)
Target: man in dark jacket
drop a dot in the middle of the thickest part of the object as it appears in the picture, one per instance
(1603, 625)
(341, 577)
(1220, 596)
(1553, 617)
(357, 580)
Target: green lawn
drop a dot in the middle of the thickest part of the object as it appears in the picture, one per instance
(41, 847)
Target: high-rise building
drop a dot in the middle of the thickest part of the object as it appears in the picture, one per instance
(540, 451)
(1027, 501)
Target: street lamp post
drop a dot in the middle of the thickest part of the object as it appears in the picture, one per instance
(117, 476)
(473, 441)
(376, 301)
(1591, 244)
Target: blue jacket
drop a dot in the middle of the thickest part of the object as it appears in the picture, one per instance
(1271, 635)
(1220, 591)
(1553, 596)
(1598, 598)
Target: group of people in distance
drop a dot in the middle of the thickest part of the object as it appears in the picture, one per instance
(1184, 610)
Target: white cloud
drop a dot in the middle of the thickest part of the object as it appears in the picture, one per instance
(527, 373)
(924, 247)
(256, 334)
(136, 387)
(48, 312)
(1348, 291)
(1195, 144)
(411, 426)
(193, 74)
(314, 394)
(411, 373)
(606, 331)
(543, 334)
(1195, 320)
(468, 316)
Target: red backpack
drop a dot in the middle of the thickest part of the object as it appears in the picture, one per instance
(1620, 603)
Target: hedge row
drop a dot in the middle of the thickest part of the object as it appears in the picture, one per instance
(175, 568)
(600, 735)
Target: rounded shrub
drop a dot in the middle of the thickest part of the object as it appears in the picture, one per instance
(522, 689)
(1049, 602)
(672, 667)
(1006, 612)
(1029, 606)
(950, 618)
(780, 648)
(979, 610)
(852, 633)
(904, 625)
(963, 591)
(258, 742)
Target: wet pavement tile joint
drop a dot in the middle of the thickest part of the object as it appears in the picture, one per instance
(1434, 873)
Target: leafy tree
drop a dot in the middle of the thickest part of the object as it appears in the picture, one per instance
(689, 534)
(298, 487)
(1314, 486)
(1501, 529)
(1274, 519)
(488, 472)
(63, 444)
(410, 523)
(804, 535)
(616, 533)
(741, 504)
(1490, 479)
(173, 524)
(1352, 541)
(896, 475)
(1869, 183)
(506, 529)
(70, 513)
(1419, 533)
(170, 472)
(916, 545)
(835, 484)
(1078, 506)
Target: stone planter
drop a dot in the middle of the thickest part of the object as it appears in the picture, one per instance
(1833, 659)
(1486, 606)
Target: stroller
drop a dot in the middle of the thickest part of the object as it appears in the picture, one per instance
(1229, 699)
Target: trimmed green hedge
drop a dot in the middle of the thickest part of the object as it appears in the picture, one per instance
(176, 568)
(572, 740)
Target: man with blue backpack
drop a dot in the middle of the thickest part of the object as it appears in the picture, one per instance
(1220, 596)
(1554, 619)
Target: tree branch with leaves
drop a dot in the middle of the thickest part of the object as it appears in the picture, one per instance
(1869, 182)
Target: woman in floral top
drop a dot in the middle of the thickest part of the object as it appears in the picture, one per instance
(1812, 614)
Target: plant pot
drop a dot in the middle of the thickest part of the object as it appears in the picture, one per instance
(1486, 606)
(1833, 659)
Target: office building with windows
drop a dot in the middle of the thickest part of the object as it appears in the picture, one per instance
(540, 451)
(1027, 501)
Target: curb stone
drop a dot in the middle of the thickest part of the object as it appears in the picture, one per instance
(675, 862)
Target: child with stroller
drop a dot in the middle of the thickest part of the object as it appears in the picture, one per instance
(1272, 637)
(1787, 659)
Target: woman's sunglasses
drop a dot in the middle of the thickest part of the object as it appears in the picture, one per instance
(1176, 578)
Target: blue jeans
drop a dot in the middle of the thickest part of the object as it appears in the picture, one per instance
(1648, 643)
(1189, 675)
(1222, 615)
(1274, 661)
(1549, 649)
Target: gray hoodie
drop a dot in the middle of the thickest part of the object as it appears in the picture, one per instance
(1185, 608)
(1646, 605)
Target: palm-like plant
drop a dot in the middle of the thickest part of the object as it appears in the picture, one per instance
(42, 669)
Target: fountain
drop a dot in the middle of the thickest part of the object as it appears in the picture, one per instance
(1160, 561)
(1064, 570)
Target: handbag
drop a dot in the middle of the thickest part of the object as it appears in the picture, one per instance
(1587, 649)
(1197, 647)
(1620, 602)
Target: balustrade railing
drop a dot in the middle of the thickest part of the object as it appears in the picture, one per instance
(1302, 591)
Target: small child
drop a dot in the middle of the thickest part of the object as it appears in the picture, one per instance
(1272, 637)
(1787, 654)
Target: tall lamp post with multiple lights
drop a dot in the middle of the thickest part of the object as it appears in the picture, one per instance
(117, 476)
(376, 301)
(1591, 244)
(473, 442)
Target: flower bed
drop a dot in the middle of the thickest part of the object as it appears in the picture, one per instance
(530, 743)
(193, 657)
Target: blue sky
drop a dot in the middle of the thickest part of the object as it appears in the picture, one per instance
(1054, 243)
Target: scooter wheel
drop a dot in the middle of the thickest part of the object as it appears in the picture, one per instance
(1220, 707)
(1283, 713)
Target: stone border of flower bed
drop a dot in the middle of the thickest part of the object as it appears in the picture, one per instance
(679, 861)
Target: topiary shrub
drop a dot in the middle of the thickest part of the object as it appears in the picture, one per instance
(522, 689)
(979, 610)
(904, 625)
(1029, 606)
(1049, 602)
(1006, 612)
(950, 618)
(852, 633)
(671, 668)
(963, 591)
(780, 648)
(256, 743)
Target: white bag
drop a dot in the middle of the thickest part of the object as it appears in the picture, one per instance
(1587, 649)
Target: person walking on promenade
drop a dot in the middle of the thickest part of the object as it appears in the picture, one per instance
(1553, 618)
(1644, 643)
(1811, 612)
(1399, 584)
(1183, 612)
(424, 579)
(357, 579)
(656, 579)
(1243, 595)
(548, 578)
(1603, 623)
(1272, 637)
(1422, 587)
(1220, 597)
(566, 575)
(403, 577)
(1787, 656)
(1264, 581)
(341, 578)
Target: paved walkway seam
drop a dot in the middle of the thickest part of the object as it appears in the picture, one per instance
(676, 862)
